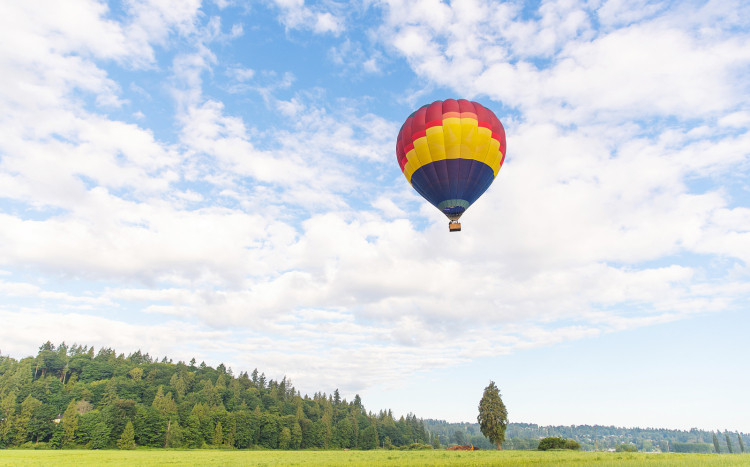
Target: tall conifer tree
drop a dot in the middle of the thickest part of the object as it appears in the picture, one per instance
(127, 440)
(493, 416)
(70, 424)
(716, 444)
(729, 442)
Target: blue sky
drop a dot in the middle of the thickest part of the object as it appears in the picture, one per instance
(218, 180)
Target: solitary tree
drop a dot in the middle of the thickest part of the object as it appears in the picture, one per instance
(742, 445)
(493, 416)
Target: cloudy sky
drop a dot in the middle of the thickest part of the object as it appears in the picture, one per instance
(218, 180)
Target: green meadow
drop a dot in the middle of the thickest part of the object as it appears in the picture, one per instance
(160, 457)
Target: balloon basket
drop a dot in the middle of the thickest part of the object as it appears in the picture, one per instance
(454, 226)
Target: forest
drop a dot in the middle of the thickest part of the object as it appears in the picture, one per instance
(76, 397)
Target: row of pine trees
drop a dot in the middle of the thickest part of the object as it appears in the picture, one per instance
(74, 397)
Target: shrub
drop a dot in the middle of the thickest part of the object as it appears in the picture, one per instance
(572, 444)
(554, 442)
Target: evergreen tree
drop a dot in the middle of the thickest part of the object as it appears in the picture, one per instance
(327, 420)
(285, 438)
(100, 436)
(23, 422)
(136, 374)
(205, 426)
(150, 427)
(344, 434)
(110, 392)
(8, 410)
(716, 444)
(269, 431)
(314, 437)
(230, 429)
(493, 416)
(164, 404)
(57, 436)
(127, 440)
(296, 434)
(742, 445)
(436, 441)
(174, 437)
(729, 442)
(193, 436)
(218, 435)
(357, 403)
(179, 384)
(368, 438)
(70, 424)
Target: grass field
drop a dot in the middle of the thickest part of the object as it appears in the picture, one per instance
(160, 457)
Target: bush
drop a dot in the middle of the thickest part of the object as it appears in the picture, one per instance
(554, 442)
(551, 442)
(572, 444)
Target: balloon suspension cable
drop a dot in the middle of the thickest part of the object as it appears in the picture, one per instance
(454, 226)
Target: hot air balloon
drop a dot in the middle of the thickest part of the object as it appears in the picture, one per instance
(450, 152)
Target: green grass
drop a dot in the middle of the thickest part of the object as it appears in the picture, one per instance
(143, 457)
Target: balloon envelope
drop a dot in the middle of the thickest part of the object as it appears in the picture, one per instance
(450, 152)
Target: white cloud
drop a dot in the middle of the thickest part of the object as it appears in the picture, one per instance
(241, 74)
(355, 56)
(296, 15)
(736, 119)
(614, 13)
(655, 68)
(152, 21)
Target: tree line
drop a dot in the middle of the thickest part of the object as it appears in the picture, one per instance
(76, 397)
(527, 436)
